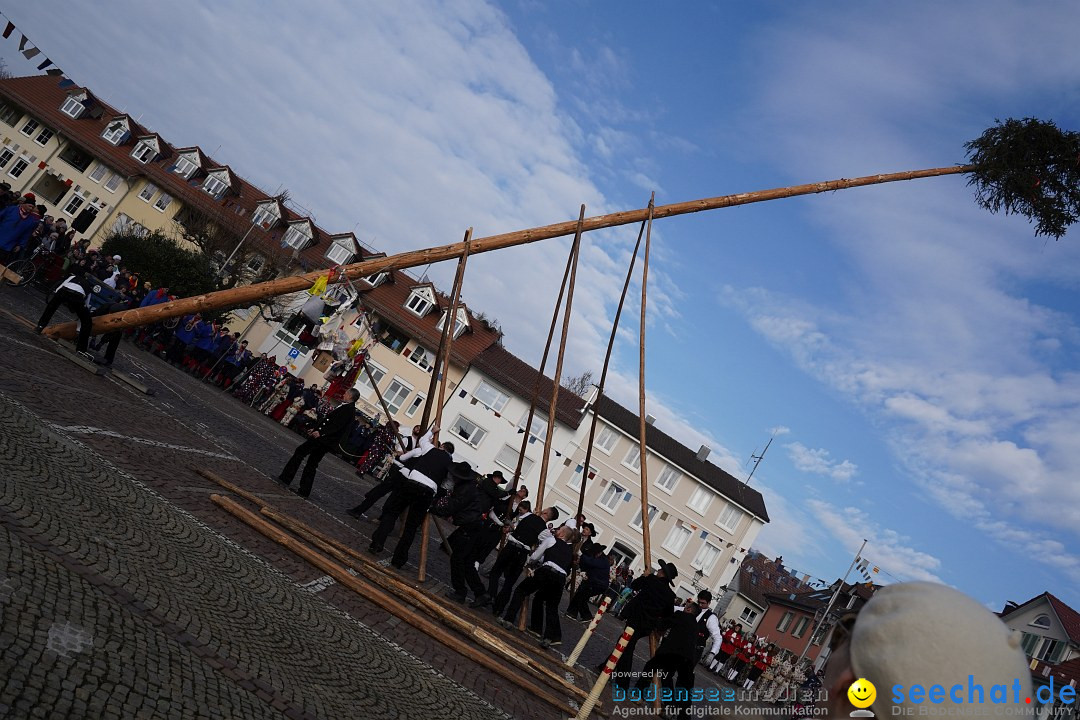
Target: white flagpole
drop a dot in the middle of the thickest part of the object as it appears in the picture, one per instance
(828, 607)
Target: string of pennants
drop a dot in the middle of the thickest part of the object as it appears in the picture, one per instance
(862, 565)
(30, 50)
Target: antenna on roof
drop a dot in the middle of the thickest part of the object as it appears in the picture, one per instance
(758, 458)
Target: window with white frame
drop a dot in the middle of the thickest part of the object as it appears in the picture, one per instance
(748, 615)
(677, 538)
(44, 137)
(800, 627)
(363, 383)
(265, 215)
(459, 323)
(395, 395)
(490, 396)
(30, 127)
(416, 404)
(185, 167)
(113, 182)
(667, 479)
(5, 156)
(144, 151)
(115, 133)
(419, 302)
(214, 186)
(72, 108)
(609, 499)
(785, 621)
(339, 254)
(421, 358)
(98, 172)
(73, 205)
(706, 558)
(636, 522)
(632, 459)
(163, 202)
(700, 500)
(729, 517)
(297, 236)
(574, 483)
(539, 425)
(18, 167)
(508, 458)
(377, 279)
(468, 431)
(147, 192)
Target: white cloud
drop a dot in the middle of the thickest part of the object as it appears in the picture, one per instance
(817, 461)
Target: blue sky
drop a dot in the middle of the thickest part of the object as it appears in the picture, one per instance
(915, 356)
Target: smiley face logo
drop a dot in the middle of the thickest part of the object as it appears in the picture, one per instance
(862, 693)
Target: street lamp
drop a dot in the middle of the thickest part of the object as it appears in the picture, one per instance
(698, 575)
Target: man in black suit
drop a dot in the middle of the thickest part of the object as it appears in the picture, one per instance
(324, 438)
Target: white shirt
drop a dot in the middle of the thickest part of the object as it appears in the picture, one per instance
(713, 626)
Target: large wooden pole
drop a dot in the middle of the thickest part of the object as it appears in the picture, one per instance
(251, 294)
(642, 426)
(575, 252)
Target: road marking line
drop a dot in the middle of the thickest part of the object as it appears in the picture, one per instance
(90, 430)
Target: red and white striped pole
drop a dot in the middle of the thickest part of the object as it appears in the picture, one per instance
(602, 681)
(587, 635)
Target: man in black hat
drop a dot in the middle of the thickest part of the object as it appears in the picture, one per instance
(654, 602)
(597, 570)
(511, 559)
(674, 659)
(428, 465)
(471, 499)
(323, 439)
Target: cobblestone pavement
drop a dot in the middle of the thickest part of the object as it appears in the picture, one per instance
(152, 444)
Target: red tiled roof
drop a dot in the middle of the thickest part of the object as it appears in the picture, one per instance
(388, 301)
(41, 96)
(1068, 670)
(520, 377)
(759, 577)
(684, 457)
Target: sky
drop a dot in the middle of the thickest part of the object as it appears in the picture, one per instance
(913, 357)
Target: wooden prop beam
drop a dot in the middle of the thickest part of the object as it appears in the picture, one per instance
(432, 607)
(388, 602)
(575, 253)
(251, 294)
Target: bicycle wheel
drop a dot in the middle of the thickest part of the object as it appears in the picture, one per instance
(20, 272)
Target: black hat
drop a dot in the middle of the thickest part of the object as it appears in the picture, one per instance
(497, 474)
(592, 528)
(670, 571)
(462, 471)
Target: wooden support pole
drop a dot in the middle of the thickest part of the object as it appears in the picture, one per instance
(575, 253)
(252, 294)
(601, 682)
(388, 602)
(232, 487)
(585, 636)
(642, 426)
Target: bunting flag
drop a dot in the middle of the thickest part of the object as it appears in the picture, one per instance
(355, 347)
(29, 53)
(319, 288)
(728, 545)
(67, 82)
(45, 64)
(462, 393)
(56, 72)
(22, 42)
(704, 534)
(578, 469)
(8, 29)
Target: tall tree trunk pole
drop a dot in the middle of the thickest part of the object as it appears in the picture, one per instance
(576, 253)
(642, 427)
(600, 389)
(250, 294)
(382, 403)
(444, 364)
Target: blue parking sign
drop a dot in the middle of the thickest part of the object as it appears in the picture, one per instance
(294, 353)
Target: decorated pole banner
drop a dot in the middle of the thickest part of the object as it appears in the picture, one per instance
(587, 635)
(602, 681)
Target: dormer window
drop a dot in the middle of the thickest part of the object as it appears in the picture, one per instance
(460, 323)
(420, 301)
(215, 186)
(116, 132)
(298, 236)
(145, 150)
(339, 253)
(72, 107)
(377, 279)
(185, 167)
(266, 215)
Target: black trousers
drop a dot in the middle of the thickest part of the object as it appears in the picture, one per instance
(625, 666)
(676, 673)
(579, 603)
(411, 496)
(393, 479)
(508, 566)
(488, 540)
(464, 545)
(112, 341)
(547, 585)
(76, 303)
(313, 449)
